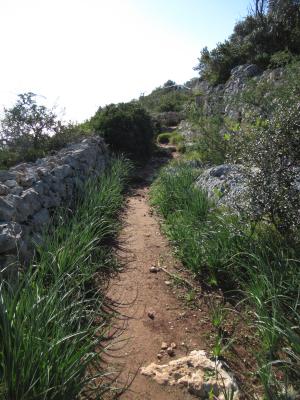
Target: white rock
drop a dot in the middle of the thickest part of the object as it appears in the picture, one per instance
(197, 373)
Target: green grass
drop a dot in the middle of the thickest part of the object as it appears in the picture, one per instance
(173, 138)
(239, 255)
(164, 138)
(54, 319)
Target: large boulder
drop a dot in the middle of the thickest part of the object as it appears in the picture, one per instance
(226, 184)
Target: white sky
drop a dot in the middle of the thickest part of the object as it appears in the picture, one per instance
(82, 54)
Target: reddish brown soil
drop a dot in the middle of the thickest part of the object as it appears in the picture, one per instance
(139, 292)
(145, 292)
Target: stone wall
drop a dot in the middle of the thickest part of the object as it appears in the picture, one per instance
(30, 192)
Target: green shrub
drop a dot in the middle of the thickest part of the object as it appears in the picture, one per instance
(281, 59)
(167, 98)
(176, 138)
(54, 319)
(269, 140)
(269, 35)
(212, 144)
(30, 131)
(164, 138)
(126, 128)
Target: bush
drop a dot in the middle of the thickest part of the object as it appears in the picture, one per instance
(126, 128)
(212, 143)
(30, 131)
(269, 139)
(176, 138)
(271, 35)
(164, 138)
(167, 98)
(274, 149)
(281, 59)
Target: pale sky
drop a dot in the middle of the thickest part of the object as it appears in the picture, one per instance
(82, 54)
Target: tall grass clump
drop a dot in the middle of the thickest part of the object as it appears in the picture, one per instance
(241, 256)
(54, 318)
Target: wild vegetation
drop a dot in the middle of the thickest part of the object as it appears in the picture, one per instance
(54, 317)
(269, 36)
(126, 128)
(30, 130)
(241, 256)
(253, 255)
(169, 97)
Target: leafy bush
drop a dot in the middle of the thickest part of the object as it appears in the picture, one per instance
(54, 319)
(164, 138)
(212, 143)
(281, 59)
(166, 98)
(176, 138)
(262, 34)
(126, 127)
(275, 150)
(269, 140)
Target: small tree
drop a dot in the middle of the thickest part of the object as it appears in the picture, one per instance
(27, 124)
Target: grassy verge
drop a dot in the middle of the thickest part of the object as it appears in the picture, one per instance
(54, 319)
(238, 255)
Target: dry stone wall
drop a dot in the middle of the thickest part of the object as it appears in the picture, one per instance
(30, 192)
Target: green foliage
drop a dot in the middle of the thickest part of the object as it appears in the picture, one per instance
(270, 35)
(173, 138)
(237, 253)
(54, 319)
(30, 131)
(164, 138)
(169, 97)
(212, 144)
(27, 124)
(126, 128)
(281, 59)
(176, 138)
(269, 140)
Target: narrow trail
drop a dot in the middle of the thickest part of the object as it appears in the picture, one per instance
(145, 292)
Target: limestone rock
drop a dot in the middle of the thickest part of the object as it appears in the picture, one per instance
(226, 184)
(9, 236)
(27, 204)
(4, 190)
(7, 210)
(40, 219)
(197, 373)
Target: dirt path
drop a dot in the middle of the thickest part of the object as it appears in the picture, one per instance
(145, 292)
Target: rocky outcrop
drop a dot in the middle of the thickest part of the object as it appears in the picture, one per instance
(200, 375)
(29, 193)
(226, 184)
(223, 98)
